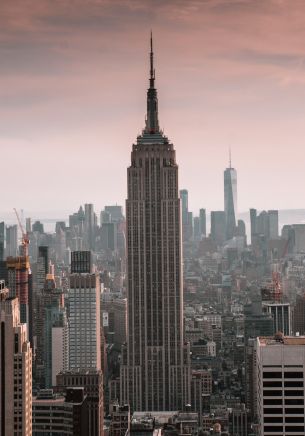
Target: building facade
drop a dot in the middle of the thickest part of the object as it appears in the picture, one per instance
(15, 370)
(155, 370)
(279, 373)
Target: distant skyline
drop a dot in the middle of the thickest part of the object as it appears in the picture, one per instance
(74, 74)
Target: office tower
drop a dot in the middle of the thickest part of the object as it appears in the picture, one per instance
(273, 217)
(105, 217)
(38, 227)
(190, 226)
(92, 382)
(15, 370)
(155, 370)
(39, 271)
(257, 323)
(60, 242)
(279, 376)
(116, 311)
(28, 225)
(241, 228)
(55, 414)
(230, 200)
(115, 212)
(54, 333)
(197, 234)
(184, 206)
(18, 270)
(281, 313)
(253, 224)
(203, 222)
(109, 236)
(2, 241)
(84, 317)
(80, 262)
(89, 226)
(218, 227)
(11, 241)
(299, 315)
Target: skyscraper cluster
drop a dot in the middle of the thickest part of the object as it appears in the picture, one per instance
(152, 323)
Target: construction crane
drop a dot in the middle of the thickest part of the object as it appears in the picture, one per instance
(25, 239)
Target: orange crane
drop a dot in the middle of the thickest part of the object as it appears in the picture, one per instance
(25, 239)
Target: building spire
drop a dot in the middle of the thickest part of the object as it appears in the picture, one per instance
(230, 160)
(152, 71)
(152, 123)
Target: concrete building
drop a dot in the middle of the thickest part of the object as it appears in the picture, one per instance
(92, 382)
(15, 370)
(155, 370)
(279, 373)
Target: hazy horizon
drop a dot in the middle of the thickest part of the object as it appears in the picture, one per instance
(74, 76)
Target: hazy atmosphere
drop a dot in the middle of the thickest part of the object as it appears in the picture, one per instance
(73, 80)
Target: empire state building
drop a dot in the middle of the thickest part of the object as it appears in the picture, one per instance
(155, 369)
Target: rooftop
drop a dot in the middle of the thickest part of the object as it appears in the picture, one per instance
(281, 340)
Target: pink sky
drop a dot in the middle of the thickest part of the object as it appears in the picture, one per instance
(73, 79)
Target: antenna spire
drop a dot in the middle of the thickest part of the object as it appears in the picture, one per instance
(152, 70)
(152, 123)
(230, 160)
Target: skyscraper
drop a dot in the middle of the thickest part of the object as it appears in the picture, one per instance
(202, 221)
(155, 370)
(15, 369)
(230, 200)
(2, 240)
(84, 315)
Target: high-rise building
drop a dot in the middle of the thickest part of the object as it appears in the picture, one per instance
(253, 223)
(92, 382)
(197, 234)
(89, 226)
(202, 222)
(11, 241)
(218, 226)
(115, 212)
(273, 216)
(155, 370)
(15, 370)
(230, 200)
(279, 393)
(2, 241)
(299, 315)
(84, 318)
(18, 269)
(55, 414)
(282, 318)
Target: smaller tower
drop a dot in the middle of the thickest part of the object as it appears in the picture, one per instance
(230, 199)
